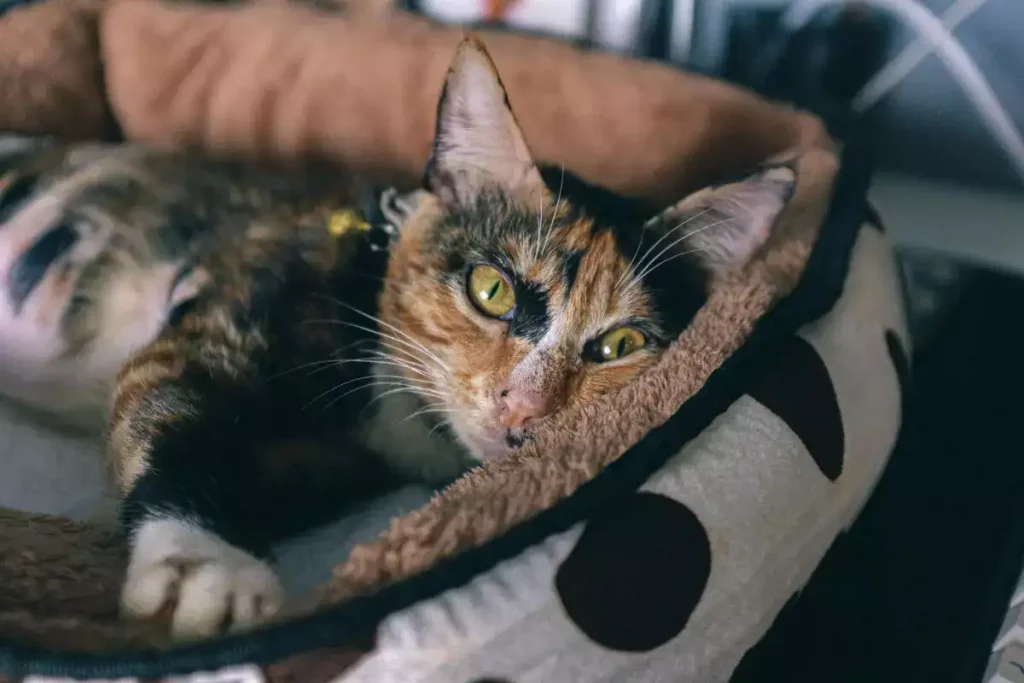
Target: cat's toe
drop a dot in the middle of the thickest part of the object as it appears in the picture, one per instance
(206, 584)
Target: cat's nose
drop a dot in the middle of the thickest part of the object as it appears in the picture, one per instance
(520, 407)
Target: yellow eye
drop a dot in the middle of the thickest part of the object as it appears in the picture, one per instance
(619, 343)
(491, 291)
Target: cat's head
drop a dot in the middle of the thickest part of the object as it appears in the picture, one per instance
(522, 297)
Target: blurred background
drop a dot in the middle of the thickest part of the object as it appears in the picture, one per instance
(935, 85)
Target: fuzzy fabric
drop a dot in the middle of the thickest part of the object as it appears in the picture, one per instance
(273, 79)
(51, 80)
(282, 80)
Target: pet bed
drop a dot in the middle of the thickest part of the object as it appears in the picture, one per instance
(653, 534)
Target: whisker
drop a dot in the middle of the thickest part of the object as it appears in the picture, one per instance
(673, 257)
(374, 318)
(429, 410)
(649, 267)
(554, 212)
(538, 243)
(370, 380)
(387, 393)
(381, 361)
(304, 366)
(439, 425)
(320, 363)
(401, 386)
(408, 360)
(384, 335)
(441, 364)
(662, 239)
(629, 266)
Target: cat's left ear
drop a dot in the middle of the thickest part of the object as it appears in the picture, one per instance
(722, 227)
(477, 142)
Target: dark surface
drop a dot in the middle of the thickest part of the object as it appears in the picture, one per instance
(797, 388)
(623, 586)
(917, 590)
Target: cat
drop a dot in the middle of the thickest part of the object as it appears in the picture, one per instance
(263, 350)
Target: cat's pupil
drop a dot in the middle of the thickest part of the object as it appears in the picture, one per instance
(622, 347)
(494, 290)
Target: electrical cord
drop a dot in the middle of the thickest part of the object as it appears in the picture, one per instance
(937, 37)
(893, 73)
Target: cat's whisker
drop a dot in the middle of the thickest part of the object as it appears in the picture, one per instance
(538, 243)
(669, 233)
(674, 257)
(441, 424)
(415, 347)
(429, 410)
(629, 266)
(554, 211)
(391, 392)
(408, 360)
(401, 386)
(314, 364)
(379, 357)
(322, 364)
(394, 328)
(369, 379)
(650, 266)
(375, 361)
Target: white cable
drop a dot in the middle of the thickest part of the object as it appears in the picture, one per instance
(956, 60)
(893, 73)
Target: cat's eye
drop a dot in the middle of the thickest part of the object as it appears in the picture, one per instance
(491, 291)
(619, 343)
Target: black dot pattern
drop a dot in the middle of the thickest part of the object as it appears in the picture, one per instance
(900, 363)
(636, 574)
(873, 219)
(798, 389)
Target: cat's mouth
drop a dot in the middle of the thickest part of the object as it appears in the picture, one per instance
(497, 444)
(515, 438)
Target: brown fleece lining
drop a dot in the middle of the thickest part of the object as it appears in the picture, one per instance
(280, 80)
(288, 81)
(50, 72)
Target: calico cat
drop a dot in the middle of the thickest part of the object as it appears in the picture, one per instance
(259, 358)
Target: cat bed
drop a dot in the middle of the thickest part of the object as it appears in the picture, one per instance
(654, 533)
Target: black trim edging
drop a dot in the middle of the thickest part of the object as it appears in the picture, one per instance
(819, 288)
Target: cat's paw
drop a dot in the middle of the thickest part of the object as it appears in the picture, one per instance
(207, 584)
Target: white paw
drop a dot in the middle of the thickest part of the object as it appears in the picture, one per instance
(208, 584)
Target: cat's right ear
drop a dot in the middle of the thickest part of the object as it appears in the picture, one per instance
(723, 227)
(477, 142)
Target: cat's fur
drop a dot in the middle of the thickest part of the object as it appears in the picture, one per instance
(256, 371)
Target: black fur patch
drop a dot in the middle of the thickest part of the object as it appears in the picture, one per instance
(28, 271)
(571, 268)
(16, 194)
(531, 320)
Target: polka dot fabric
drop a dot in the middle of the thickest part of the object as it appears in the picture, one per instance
(679, 578)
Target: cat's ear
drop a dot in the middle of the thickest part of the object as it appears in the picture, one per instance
(477, 142)
(722, 227)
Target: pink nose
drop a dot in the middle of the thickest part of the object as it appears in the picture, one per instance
(520, 407)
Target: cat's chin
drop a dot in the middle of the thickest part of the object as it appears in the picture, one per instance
(482, 448)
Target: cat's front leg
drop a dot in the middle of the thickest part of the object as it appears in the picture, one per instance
(188, 415)
(209, 583)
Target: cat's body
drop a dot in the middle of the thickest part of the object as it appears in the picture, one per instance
(257, 367)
